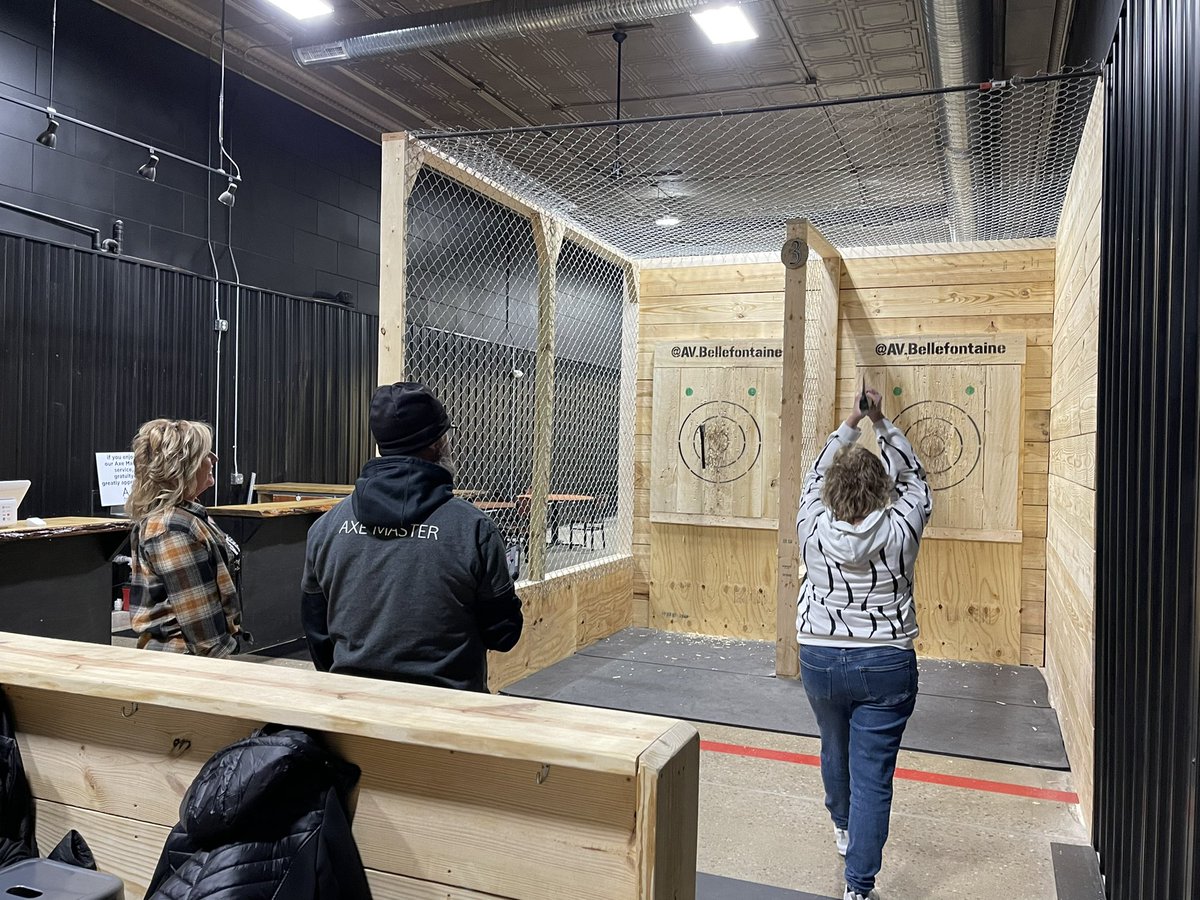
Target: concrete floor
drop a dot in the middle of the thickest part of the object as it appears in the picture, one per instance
(764, 821)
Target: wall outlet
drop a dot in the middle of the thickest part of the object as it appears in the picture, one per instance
(221, 325)
(237, 478)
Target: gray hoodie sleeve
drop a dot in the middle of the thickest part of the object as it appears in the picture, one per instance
(810, 495)
(498, 608)
(912, 499)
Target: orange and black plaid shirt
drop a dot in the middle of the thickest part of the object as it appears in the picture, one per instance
(182, 595)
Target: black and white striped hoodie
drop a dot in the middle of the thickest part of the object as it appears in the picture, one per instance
(859, 586)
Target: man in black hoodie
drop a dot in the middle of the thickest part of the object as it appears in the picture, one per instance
(403, 580)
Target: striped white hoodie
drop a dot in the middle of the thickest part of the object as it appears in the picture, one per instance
(859, 587)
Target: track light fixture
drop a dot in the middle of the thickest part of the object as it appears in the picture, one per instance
(149, 169)
(49, 137)
(229, 195)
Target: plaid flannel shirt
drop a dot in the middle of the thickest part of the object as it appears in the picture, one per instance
(182, 594)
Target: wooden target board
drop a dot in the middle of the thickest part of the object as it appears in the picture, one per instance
(715, 447)
(964, 421)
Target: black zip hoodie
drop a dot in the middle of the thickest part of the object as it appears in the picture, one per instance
(404, 581)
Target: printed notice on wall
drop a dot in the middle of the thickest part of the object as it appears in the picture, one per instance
(114, 471)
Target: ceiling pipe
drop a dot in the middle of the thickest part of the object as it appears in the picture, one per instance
(957, 37)
(486, 22)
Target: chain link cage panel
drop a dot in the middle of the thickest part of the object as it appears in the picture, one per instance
(471, 336)
(979, 166)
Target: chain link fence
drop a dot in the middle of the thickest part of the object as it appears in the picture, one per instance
(978, 165)
(968, 166)
(472, 333)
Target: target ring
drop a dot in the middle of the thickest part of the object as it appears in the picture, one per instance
(720, 441)
(946, 438)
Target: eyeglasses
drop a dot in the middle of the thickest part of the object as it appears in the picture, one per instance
(212, 457)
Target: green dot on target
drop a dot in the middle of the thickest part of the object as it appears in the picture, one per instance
(970, 389)
(752, 391)
(896, 392)
(688, 392)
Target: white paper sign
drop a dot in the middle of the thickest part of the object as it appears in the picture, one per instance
(114, 471)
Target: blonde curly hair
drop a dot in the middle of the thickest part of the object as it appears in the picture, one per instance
(167, 455)
(856, 484)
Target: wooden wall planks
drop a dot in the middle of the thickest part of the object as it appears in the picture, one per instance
(1070, 534)
(963, 293)
(442, 772)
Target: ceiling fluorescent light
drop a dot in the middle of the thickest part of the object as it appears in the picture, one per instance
(725, 24)
(304, 9)
(667, 221)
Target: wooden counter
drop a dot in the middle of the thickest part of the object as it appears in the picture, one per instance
(275, 509)
(272, 537)
(462, 794)
(61, 527)
(300, 489)
(56, 580)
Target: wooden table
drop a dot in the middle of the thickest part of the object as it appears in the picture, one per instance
(286, 490)
(56, 580)
(272, 537)
(552, 512)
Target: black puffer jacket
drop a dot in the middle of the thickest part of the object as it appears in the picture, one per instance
(16, 808)
(265, 818)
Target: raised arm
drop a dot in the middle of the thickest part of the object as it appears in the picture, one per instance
(846, 435)
(912, 499)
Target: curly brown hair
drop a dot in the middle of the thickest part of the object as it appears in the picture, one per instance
(856, 484)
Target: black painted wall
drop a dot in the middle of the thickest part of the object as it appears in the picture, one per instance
(1148, 460)
(307, 214)
(94, 345)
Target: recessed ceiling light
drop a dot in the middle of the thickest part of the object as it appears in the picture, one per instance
(304, 9)
(725, 24)
(667, 222)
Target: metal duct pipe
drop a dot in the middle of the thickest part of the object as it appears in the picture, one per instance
(957, 35)
(490, 21)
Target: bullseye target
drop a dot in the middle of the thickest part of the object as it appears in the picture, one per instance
(946, 438)
(720, 441)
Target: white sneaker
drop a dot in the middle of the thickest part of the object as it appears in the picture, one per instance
(852, 894)
(841, 837)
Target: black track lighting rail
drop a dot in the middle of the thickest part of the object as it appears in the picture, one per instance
(54, 115)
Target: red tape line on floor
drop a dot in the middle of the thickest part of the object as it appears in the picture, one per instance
(958, 781)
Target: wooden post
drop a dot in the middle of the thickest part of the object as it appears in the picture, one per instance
(400, 166)
(548, 238)
(821, 342)
(809, 381)
(628, 402)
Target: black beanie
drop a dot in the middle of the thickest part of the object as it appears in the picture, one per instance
(406, 418)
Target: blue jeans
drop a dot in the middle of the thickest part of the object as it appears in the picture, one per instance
(862, 699)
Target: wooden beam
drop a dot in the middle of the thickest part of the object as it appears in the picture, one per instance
(494, 191)
(821, 246)
(668, 789)
(628, 398)
(821, 362)
(401, 162)
(553, 734)
(548, 239)
(791, 442)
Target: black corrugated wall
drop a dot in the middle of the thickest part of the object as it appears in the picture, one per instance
(1148, 456)
(93, 345)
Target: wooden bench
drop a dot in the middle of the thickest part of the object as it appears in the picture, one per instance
(462, 796)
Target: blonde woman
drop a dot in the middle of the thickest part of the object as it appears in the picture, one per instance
(183, 597)
(860, 524)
